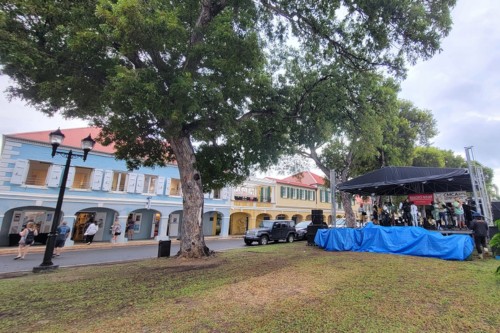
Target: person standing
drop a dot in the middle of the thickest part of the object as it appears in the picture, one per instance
(480, 229)
(27, 238)
(406, 208)
(62, 234)
(130, 227)
(435, 214)
(414, 214)
(116, 230)
(443, 213)
(459, 213)
(90, 232)
(375, 218)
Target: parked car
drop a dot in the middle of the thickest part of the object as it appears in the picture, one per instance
(301, 229)
(271, 230)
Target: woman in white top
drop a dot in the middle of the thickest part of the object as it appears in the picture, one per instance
(116, 230)
(90, 232)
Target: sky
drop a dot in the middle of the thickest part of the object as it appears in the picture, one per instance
(460, 85)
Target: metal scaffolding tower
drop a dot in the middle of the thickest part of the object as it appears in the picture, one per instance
(481, 198)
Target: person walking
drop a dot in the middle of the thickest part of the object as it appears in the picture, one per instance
(116, 230)
(90, 232)
(27, 238)
(480, 229)
(62, 234)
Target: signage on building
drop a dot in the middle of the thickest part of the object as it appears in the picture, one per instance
(421, 199)
(450, 196)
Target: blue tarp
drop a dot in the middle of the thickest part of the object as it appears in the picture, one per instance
(414, 241)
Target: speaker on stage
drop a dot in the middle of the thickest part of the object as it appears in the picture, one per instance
(317, 216)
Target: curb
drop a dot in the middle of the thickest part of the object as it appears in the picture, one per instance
(12, 250)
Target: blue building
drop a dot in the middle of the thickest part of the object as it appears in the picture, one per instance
(100, 188)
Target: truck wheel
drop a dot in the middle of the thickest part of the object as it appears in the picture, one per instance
(290, 238)
(263, 240)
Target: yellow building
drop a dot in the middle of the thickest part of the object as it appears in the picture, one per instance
(291, 198)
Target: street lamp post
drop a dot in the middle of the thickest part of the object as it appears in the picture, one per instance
(56, 139)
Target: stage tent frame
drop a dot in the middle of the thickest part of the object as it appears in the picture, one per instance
(393, 180)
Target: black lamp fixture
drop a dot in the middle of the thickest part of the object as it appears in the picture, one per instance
(56, 139)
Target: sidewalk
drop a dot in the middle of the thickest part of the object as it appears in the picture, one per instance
(98, 245)
(84, 246)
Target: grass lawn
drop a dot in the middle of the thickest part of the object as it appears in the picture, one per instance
(274, 288)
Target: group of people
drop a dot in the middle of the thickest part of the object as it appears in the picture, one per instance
(29, 233)
(451, 215)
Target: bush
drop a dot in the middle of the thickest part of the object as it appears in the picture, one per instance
(495, 240)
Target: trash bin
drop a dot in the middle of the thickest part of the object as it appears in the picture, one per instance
(164, 248)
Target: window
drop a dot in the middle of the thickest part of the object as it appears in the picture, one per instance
(119, 182)
(37, 173)
(175, 187)
(82, 178)
(284, 192)
(216, 194)
(149, 184)
(265, 194)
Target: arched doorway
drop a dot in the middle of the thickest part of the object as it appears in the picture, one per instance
(212, 223)
(104, 218)
(16, 219)
(174, 224)
(281, 217)
(146, 223)
(259, 219)
(297, 218)
(239, 223)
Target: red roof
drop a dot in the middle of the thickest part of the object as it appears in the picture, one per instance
(305, 178)
(72, 139)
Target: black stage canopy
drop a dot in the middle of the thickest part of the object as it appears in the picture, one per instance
(406, 180)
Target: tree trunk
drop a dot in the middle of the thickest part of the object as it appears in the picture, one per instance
(349, 213)
(192, 240)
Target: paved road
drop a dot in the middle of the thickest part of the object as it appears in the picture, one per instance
(89, 256)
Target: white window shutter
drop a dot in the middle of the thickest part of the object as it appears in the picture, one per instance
(19, 172)
(224, 194)
(54, 178)
(139, 186)
(108, 179)
(160, 186)
(132, 180)
(71, 177)
(97, 179)
(168, 185)
(273, 195)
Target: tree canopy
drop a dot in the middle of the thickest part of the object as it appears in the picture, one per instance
(199, 81)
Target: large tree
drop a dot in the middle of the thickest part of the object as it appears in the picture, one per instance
(190, 80)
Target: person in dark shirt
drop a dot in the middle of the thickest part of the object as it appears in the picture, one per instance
(480, 229)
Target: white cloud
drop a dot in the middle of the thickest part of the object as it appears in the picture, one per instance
(461, 85)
